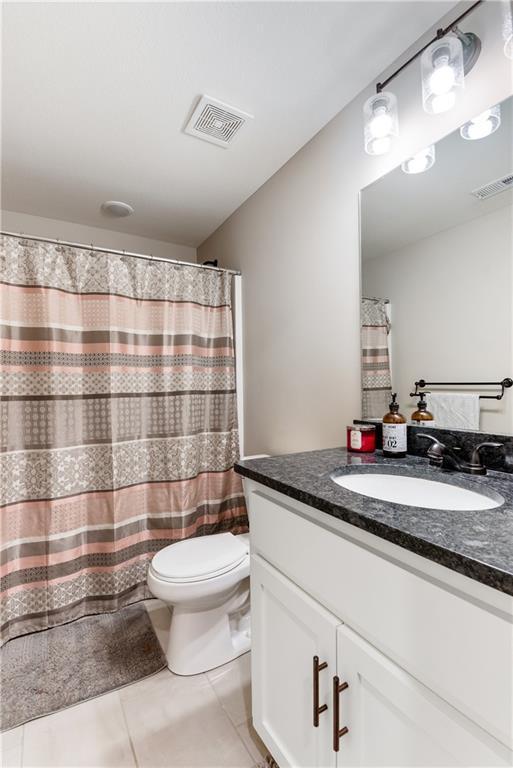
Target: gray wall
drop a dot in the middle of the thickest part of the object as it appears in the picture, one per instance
(38, 226)
(296, 241)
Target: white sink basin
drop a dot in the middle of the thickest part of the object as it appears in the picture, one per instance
(417, 492)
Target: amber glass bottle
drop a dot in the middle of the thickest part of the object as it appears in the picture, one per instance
(422, 417)
(394, 432)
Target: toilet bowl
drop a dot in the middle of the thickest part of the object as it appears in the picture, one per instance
(206, 582)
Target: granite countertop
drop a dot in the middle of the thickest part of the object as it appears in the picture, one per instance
(478, 544)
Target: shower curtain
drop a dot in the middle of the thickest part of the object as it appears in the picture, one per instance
(119, 425)
(376, 377)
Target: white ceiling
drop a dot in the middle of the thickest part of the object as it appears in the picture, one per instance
(400, 209)
(96, 95)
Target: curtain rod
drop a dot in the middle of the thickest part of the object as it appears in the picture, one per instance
(374, 298)
(91, 247)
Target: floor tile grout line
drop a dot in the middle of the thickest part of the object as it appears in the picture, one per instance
(125, 720)
(207, 678)
(219, 700)
(249, 723)
(220, 704)
(223, 670)
(235, 727)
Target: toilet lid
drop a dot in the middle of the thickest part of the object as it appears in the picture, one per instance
(200, 558)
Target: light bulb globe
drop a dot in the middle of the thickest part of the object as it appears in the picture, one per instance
(442, 69)
(380, 123)
(442, 80)
(380, 146)
(443, 103)
(508, 47)
(482, 125)
(420, 162)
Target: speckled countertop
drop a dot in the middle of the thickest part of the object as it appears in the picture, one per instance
(476, 544)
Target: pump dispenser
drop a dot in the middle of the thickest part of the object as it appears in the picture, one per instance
(422, 417)
(394, 432)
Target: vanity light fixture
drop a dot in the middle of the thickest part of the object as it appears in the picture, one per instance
(445, 61)
(444, 65)
(442, 74)
(483, 125)
(421, 161)
(381, 122)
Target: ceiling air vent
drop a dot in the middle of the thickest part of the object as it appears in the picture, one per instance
(216, 122)
(494, 187)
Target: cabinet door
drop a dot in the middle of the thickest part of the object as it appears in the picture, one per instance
(289, 629)
(393, 720)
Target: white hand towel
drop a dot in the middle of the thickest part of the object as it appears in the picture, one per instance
(454, 410)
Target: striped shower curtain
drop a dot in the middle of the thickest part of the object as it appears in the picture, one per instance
(119, 426)
(376, 376)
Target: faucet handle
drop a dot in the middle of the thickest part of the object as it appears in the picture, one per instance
(436, 450)
(475, 459)
(433, 439)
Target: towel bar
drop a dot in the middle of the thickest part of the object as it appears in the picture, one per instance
(504, 385)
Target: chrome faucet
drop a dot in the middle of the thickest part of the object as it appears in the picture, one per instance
(440, 455)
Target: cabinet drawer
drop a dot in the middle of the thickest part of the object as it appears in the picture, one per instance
(458, 649)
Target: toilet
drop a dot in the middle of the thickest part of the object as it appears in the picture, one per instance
(205, 580)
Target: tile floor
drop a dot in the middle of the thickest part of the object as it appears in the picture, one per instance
(165, 720)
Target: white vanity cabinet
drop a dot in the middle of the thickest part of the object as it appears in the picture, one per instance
(302, 574)
(289, 629)
(393, 720)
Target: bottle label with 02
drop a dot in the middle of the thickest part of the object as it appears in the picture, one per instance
(394, 438)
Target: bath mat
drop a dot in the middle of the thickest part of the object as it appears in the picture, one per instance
(54, 669)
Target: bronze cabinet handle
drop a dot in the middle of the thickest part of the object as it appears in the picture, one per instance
(317, 710)
(338, 687)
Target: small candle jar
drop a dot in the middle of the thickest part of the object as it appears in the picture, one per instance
(361, 438)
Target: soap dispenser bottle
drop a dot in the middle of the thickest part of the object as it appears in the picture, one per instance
(422, 417)
(394, 432)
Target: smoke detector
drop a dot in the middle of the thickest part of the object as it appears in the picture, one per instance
(116, 209)
(493, 187)
(216, 122)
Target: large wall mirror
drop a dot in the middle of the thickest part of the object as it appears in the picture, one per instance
(437, 279)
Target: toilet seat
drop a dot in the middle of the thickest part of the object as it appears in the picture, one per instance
(201, 558)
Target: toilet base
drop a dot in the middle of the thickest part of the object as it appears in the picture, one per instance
(200, 640)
